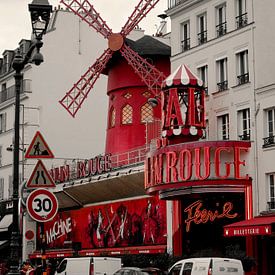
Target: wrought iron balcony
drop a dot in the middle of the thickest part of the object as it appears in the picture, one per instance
(242, 79)
(241, 20)
(10, 92)
(271, 205)
(245, 136)
(269, 141)
(202, 37)
(185, 45)
(221, 29)
(222, 86)
(173, 3)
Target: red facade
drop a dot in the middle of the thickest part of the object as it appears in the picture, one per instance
(129, 223)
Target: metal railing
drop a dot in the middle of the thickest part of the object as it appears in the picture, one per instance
(185, 45)
(242, 79)
(241, 20)
(245, 136)
(135, 156)
(269, 141)
(222, 86)
(271, 205)
(10, 91)
(173, 3)
(221, 29)
(202, 37)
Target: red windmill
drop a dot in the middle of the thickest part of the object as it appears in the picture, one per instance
(118, 45)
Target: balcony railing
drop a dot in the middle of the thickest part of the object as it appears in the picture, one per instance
(173, 3)
(269, 141)
(10, 92)
(271, 205)
(185, 45)
(130, 157)
(245, 136)
(221, 29)
(242, 79)
(222, 86)
(241, 20)
(202, 37)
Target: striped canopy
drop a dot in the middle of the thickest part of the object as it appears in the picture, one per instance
(182, 76)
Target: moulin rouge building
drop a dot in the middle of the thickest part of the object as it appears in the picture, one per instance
(178, 201)
(182, 194)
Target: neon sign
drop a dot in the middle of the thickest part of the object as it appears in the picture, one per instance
(197, 214)
(196, 162)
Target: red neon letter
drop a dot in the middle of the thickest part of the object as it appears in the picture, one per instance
(237, 162)
(171, 161)
(218, 163)
(185, 156)
(158, 167)
(206, 164)
(173, 114)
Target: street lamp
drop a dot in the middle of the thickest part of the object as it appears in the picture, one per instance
(40, 11)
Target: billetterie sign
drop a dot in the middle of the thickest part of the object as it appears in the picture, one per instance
(195, 162)
(81, 169)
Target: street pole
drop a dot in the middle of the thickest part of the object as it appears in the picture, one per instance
(15, 245)
(40, 11)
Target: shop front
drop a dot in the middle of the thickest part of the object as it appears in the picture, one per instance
(209, 186)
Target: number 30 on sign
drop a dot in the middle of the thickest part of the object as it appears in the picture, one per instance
(42, 205)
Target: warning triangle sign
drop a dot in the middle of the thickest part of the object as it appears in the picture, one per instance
(38, 148)
(40, 177)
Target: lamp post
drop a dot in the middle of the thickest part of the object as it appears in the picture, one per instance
(40, 11)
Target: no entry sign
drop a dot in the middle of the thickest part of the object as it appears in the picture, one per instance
(42, 205)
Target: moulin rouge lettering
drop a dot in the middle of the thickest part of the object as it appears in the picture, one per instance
(59, 229)
(179, 163)
(82, 169)
(197, 214)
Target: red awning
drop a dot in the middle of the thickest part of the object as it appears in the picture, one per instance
(260, 225)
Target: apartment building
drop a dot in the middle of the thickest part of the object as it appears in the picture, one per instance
(228, 45)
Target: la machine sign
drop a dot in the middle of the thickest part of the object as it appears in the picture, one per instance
(192, 163)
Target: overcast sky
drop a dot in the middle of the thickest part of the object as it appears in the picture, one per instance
(15, 19)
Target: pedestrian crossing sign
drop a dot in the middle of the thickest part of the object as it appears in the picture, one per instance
(38, 148)
(40, 177)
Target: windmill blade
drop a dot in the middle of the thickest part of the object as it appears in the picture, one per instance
(141, 10)
(149, 74)
(87, 13)
(73, 99)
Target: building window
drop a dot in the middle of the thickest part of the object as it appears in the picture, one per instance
(244, 124)
(185, 36)
(271, 201)
(112, 117)
(241, 14)
(2, 122)
(202, 29)
(221, 27)
(127, 95)
(147, 113)
(127, 114)
(223, 126)
(242, 73)
(222, 82)
(270, 139)
(1, 188)
(203, 75)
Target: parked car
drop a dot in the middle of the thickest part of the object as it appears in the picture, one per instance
(139, 271)
(207, 266)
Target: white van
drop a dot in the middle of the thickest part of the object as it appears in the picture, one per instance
(207, 266)
(88, 266)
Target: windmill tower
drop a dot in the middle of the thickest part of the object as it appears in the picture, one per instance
(135, 71)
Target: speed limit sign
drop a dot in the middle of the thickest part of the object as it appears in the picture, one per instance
(42, 205)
